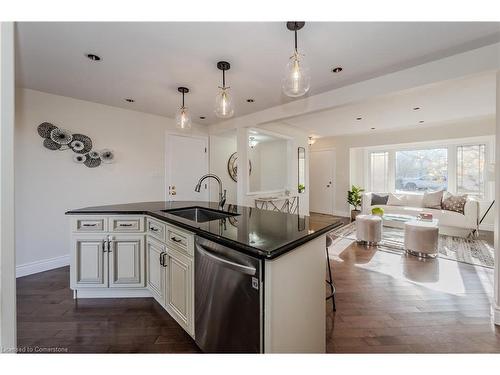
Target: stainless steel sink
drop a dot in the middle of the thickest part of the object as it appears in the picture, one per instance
(199, 214)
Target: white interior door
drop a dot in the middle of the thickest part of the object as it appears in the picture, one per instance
(187, 161)
(321, 180)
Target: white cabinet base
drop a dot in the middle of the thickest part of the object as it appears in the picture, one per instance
(111, 293)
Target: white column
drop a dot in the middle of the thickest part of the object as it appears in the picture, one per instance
(242, 149)
(496, 297)
(7, 243)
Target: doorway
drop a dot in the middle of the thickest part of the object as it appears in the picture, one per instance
(186, 162)
(321, 179)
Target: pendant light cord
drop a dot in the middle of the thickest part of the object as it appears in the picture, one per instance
(296, 40)
(223, 78)
(182, 100)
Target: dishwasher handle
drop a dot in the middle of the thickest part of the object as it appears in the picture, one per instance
(233, 265)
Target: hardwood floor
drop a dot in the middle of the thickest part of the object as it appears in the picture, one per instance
(386, 303)
(49, 318)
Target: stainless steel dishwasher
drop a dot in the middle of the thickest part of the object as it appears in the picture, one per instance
(228, 299)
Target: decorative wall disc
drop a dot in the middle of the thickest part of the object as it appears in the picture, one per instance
(50, 144)
(107, 156)
(94, 154)
(232, 167)
(45, 128)
(87, 143)
(92, 163)
(79, 158)
(59, 139)
(61, 136)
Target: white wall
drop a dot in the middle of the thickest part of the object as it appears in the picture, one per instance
(344, 144)
(7, 244)
(221, 148)
(48, 183)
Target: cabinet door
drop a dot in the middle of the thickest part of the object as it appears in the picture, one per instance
(126, 261)
(155, 271)
(89, 262)
(180, 294)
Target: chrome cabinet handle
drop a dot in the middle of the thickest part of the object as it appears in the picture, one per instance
(153, 229)
(175, 239)
(164, 264)
(89, 225)
(161, 258)
(103, 246)
(126, 225)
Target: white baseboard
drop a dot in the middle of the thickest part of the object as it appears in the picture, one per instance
(487, 227)
(496, 314)
(112, 293)
(41, 265)
(341, 213)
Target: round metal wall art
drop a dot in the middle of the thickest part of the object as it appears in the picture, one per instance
(57, 139)
(232, 167)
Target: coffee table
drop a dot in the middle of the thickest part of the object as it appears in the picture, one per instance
(398, 221)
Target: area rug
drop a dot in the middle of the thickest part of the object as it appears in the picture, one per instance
(465, 250)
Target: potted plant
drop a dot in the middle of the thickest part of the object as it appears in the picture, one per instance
(354, 199)
(301, 188)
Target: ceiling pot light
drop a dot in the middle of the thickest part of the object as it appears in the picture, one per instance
(337, 69)
(129, 100)
(223, 103)
(250, 100)
(202, 117)
(416, 108)
(252, 142)
(372, 128)
(421, 122)
(183, 119)
(359, 118)
(93, 57)
(296, 81)
(311, 141)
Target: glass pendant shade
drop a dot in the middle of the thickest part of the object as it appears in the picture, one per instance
(297, 80)
(183, 119)
(224, 104)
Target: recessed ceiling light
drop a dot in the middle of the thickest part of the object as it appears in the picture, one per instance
(250, 100)
(416, 108)
(337, 69)
(372, 128)
(359, 118)
(129, 100)
(93, 57)
(202, 117)
(421, 122)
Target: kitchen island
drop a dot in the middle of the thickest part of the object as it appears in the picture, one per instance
(237, 279)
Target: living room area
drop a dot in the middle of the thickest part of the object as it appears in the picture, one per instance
(413, 175)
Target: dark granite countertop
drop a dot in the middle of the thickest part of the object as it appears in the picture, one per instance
(261, 233)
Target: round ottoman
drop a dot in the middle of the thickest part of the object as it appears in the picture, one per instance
(369, 229)
(421, 238)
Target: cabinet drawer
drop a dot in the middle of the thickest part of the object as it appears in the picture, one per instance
(156, 229)
(182, 240)
(89, 224)
(126, 224)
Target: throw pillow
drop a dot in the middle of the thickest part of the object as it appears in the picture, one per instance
(454, 203)
(433, 199)
(379, 199)
(396, 200)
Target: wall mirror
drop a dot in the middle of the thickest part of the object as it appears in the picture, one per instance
(269, 155)
(301, 154)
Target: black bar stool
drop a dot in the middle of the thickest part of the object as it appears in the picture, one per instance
(329, 242)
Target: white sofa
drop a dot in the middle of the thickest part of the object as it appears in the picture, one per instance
(450, 222)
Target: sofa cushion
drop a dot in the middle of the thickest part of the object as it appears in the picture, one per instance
(432, 199)
(397, 200)
(379, 199)
(454, 202)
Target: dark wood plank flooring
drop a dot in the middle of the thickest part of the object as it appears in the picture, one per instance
(386, 303)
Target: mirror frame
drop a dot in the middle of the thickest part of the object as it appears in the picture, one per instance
(301, 150)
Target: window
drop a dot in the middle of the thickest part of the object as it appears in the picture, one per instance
(470, 169)
(422, 170)
(378, 171)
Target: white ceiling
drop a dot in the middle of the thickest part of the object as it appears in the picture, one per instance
(148, 61)
(440, 102)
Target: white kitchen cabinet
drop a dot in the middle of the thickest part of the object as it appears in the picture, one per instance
(155, 269)
(126, 261)
(89, 262)
(180, 288)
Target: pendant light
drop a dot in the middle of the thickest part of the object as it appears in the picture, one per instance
(297, 80)
(223, 103)
(183, 119)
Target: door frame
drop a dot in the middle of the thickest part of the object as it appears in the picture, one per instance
(167, 156)
(333, 211)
